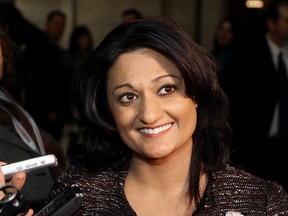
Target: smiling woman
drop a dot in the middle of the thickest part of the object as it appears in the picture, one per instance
(156, 124)
(156, 131)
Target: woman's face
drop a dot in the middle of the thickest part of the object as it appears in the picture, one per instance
(146, 95)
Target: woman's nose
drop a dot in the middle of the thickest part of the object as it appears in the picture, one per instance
(150, 110)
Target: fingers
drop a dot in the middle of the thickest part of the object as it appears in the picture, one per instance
(18, 180)
(29, 213)
(2, 179)
(2, 183)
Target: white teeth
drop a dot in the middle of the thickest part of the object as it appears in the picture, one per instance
(156, 130)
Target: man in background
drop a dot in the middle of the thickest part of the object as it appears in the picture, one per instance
(55, 25)
(257, 97)
(57, 117)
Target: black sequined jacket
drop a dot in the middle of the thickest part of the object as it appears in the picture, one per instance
(228, 190)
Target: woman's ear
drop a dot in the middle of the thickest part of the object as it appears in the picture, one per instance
(193, 98)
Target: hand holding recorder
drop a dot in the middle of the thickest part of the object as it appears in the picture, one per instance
(11, 199)
(29, 165)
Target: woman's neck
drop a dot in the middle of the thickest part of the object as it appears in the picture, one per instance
(160, 187)
(163, 187)
(163, 173)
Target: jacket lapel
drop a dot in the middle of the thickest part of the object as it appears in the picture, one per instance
(10, 138)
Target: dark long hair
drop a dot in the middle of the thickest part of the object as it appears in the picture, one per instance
(103, 146)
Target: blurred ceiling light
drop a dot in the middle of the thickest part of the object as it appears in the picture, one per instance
(254, 3)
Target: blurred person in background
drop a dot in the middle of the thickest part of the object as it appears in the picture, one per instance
(131, 14)
(42, 73)
(80, 46)
(259, 98)
(20, 136)
(54, 28)
(55, 25)
(225, 47)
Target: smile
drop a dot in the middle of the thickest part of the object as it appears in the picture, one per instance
(155, 130)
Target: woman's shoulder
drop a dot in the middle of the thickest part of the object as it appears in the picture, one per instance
(79, 174)
(234, 174)
(231, 175)
(247, 189)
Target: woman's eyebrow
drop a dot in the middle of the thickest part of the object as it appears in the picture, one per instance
(121, 86)
(164, 76)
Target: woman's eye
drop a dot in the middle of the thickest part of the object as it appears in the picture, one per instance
(127, 98)
(167, 89)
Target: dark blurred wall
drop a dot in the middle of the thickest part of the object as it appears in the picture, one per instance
(198, 17)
